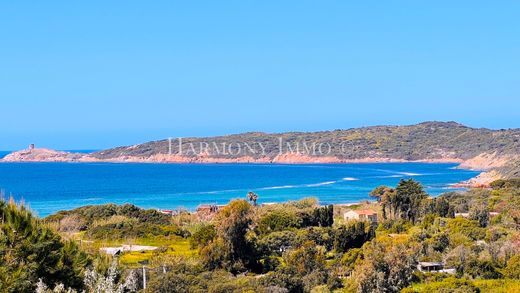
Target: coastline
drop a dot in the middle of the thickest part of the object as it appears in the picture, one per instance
(485, 163)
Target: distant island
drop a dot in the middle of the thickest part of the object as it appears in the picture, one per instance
(496, 152)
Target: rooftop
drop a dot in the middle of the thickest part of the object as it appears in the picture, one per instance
(365, 212)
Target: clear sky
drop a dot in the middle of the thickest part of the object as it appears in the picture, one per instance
(97, 74)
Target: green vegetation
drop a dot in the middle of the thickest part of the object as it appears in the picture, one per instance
(428, 140)
(290, 247)
(30, 251)
(421, 141)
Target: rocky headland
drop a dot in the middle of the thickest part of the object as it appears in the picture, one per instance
(494, 152)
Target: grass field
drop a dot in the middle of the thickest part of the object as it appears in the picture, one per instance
(172, 246)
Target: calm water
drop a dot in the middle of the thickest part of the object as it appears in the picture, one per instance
(49, 187)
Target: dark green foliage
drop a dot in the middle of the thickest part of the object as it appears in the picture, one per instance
(323, 216)
(132, 229)
(439, 206)
(513, 267)
(232, 250)
(352, 235)
(480, 213)
(440, 242)
(466, 227)
(380, 191)
(505, 183)
(112, 221)
(89, 214)
(449, 284)
(30, 251)
(278, 220)
(277, 242)
(409, 195)
(485, 269)
(203, 235)
(404, 202)
(322, 236)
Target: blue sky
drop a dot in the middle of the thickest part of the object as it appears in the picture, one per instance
(94, 74)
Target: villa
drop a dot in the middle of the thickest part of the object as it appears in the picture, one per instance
(368, 215)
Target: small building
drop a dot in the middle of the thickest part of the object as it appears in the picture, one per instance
(167, 212)
(434, 267)
(207, 208)
(363, 215)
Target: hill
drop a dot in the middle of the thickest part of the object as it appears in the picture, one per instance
(424, 141)
(474, 148)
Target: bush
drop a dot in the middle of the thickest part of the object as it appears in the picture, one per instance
(512, 269)
(278, 220)
(203, 235)
(352, 235)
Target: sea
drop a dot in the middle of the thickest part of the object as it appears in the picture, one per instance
(50, 187)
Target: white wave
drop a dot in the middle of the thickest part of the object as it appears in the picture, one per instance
(350, 179)
(277, 187)
(321, 184)
(390, 176)
(410, 174)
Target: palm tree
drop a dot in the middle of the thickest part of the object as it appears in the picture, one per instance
(252, 197)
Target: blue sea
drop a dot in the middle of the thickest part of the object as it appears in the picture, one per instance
(50, 187)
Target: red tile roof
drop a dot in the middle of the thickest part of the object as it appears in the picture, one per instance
(365, 212)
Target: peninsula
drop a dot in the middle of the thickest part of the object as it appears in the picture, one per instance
(495, 152)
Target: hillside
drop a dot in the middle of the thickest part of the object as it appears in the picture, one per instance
(424, 141)
(475, 148)
(412, 242)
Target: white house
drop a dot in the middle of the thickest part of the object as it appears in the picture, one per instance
(368, 215)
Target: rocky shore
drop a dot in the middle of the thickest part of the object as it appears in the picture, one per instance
(484, 162)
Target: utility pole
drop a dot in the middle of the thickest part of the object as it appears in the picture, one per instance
(144, 278)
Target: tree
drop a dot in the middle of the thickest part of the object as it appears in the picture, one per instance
(386, 267)
(253, 197)
(30, 251)
(405, 201)
(481, 214)
(235, 250)
(324, 216)
(203, 235)
(353, 235)
(512, 269)
(380, 191)
(278, 220)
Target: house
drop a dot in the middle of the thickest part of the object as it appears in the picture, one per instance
(434, 267)
(166, 212)
(207, 208)
(363, 215)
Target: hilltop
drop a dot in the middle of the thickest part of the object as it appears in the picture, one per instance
(473, 148)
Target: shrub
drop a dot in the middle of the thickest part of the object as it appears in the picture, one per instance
(278, 220)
